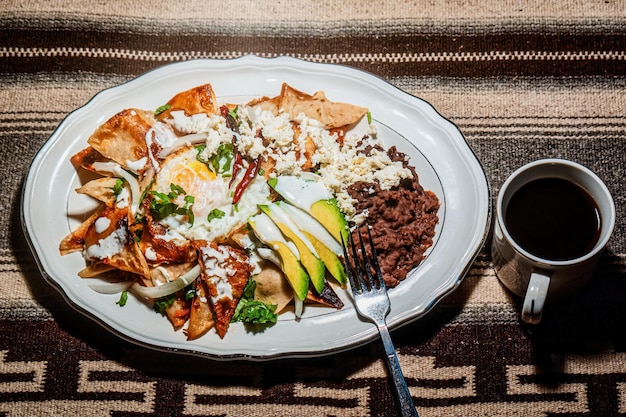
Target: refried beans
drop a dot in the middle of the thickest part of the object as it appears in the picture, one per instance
(402, 221)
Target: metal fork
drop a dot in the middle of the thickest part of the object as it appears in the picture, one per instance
(372, 302)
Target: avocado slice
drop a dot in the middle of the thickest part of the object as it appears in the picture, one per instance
(265, 229)
(309, 193)
(324, 243)
(308, 255)
(328, 214)
(330, 259)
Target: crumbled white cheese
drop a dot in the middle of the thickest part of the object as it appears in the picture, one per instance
(339, 165)
(192, 124)
(278, 131)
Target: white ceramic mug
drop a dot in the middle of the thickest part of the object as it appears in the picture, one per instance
(538, 278)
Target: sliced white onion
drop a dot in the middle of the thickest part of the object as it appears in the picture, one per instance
(117, 170)
(252, 115)
(298, 307)
(167, 288)
(278, 215)
(182, 142)
(104, 287)
(307, 223)
(267, 231)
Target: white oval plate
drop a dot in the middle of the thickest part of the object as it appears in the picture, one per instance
(443, 159)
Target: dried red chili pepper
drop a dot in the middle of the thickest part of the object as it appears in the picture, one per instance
(237, 164)
(251, 173)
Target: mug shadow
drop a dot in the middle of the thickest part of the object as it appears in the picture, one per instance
(591, 322)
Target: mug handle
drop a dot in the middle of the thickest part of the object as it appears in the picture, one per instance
(535, 298)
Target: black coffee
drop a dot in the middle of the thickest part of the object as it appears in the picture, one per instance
(553, 219)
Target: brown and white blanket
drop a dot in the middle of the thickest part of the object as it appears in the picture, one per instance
(522, 81)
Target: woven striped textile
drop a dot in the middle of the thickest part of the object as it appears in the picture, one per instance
(522, 80)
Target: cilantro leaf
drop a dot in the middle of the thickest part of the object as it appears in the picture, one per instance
(161, 304)
(123, 299)
(176, 190)
(215, 214)
(163, 205)
(233, 113)
(223, 158)
(252, 311)
(161, 109)
(255, 312)
(118, 186)
(200, 149)
(190, 291)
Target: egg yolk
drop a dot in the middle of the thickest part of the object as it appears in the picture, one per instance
(197, 180)
(186, 175)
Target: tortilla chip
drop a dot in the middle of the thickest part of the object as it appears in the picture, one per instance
(331, 114)
(75, 241)
(178, 311)
(308, 151)
(327, 297)
(267, 104)
(223, 265)
(164, 251)
(200, 314)
(102, 246)
(101, 189)
(95, 270)
(272, 287)
(169, 272)
(122, 139)
(86, 158)
(197, 100)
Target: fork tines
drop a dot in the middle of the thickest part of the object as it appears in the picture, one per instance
(360, 267)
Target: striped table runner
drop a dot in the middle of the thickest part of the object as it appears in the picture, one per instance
(522, 80)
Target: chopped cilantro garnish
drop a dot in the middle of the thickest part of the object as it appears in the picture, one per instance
(233, 113)
(252, 311)
(161, 109)
(176, 189)
(186, 209)
(118, 187)
(200, 149)
(123, 299)
(221, 161)
(160, 304)
(215, 214)
(223, 158)
(163, 205)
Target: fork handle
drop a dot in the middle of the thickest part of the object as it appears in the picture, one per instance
(405, 402)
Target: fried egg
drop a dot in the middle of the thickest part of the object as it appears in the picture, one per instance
(214, 215)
